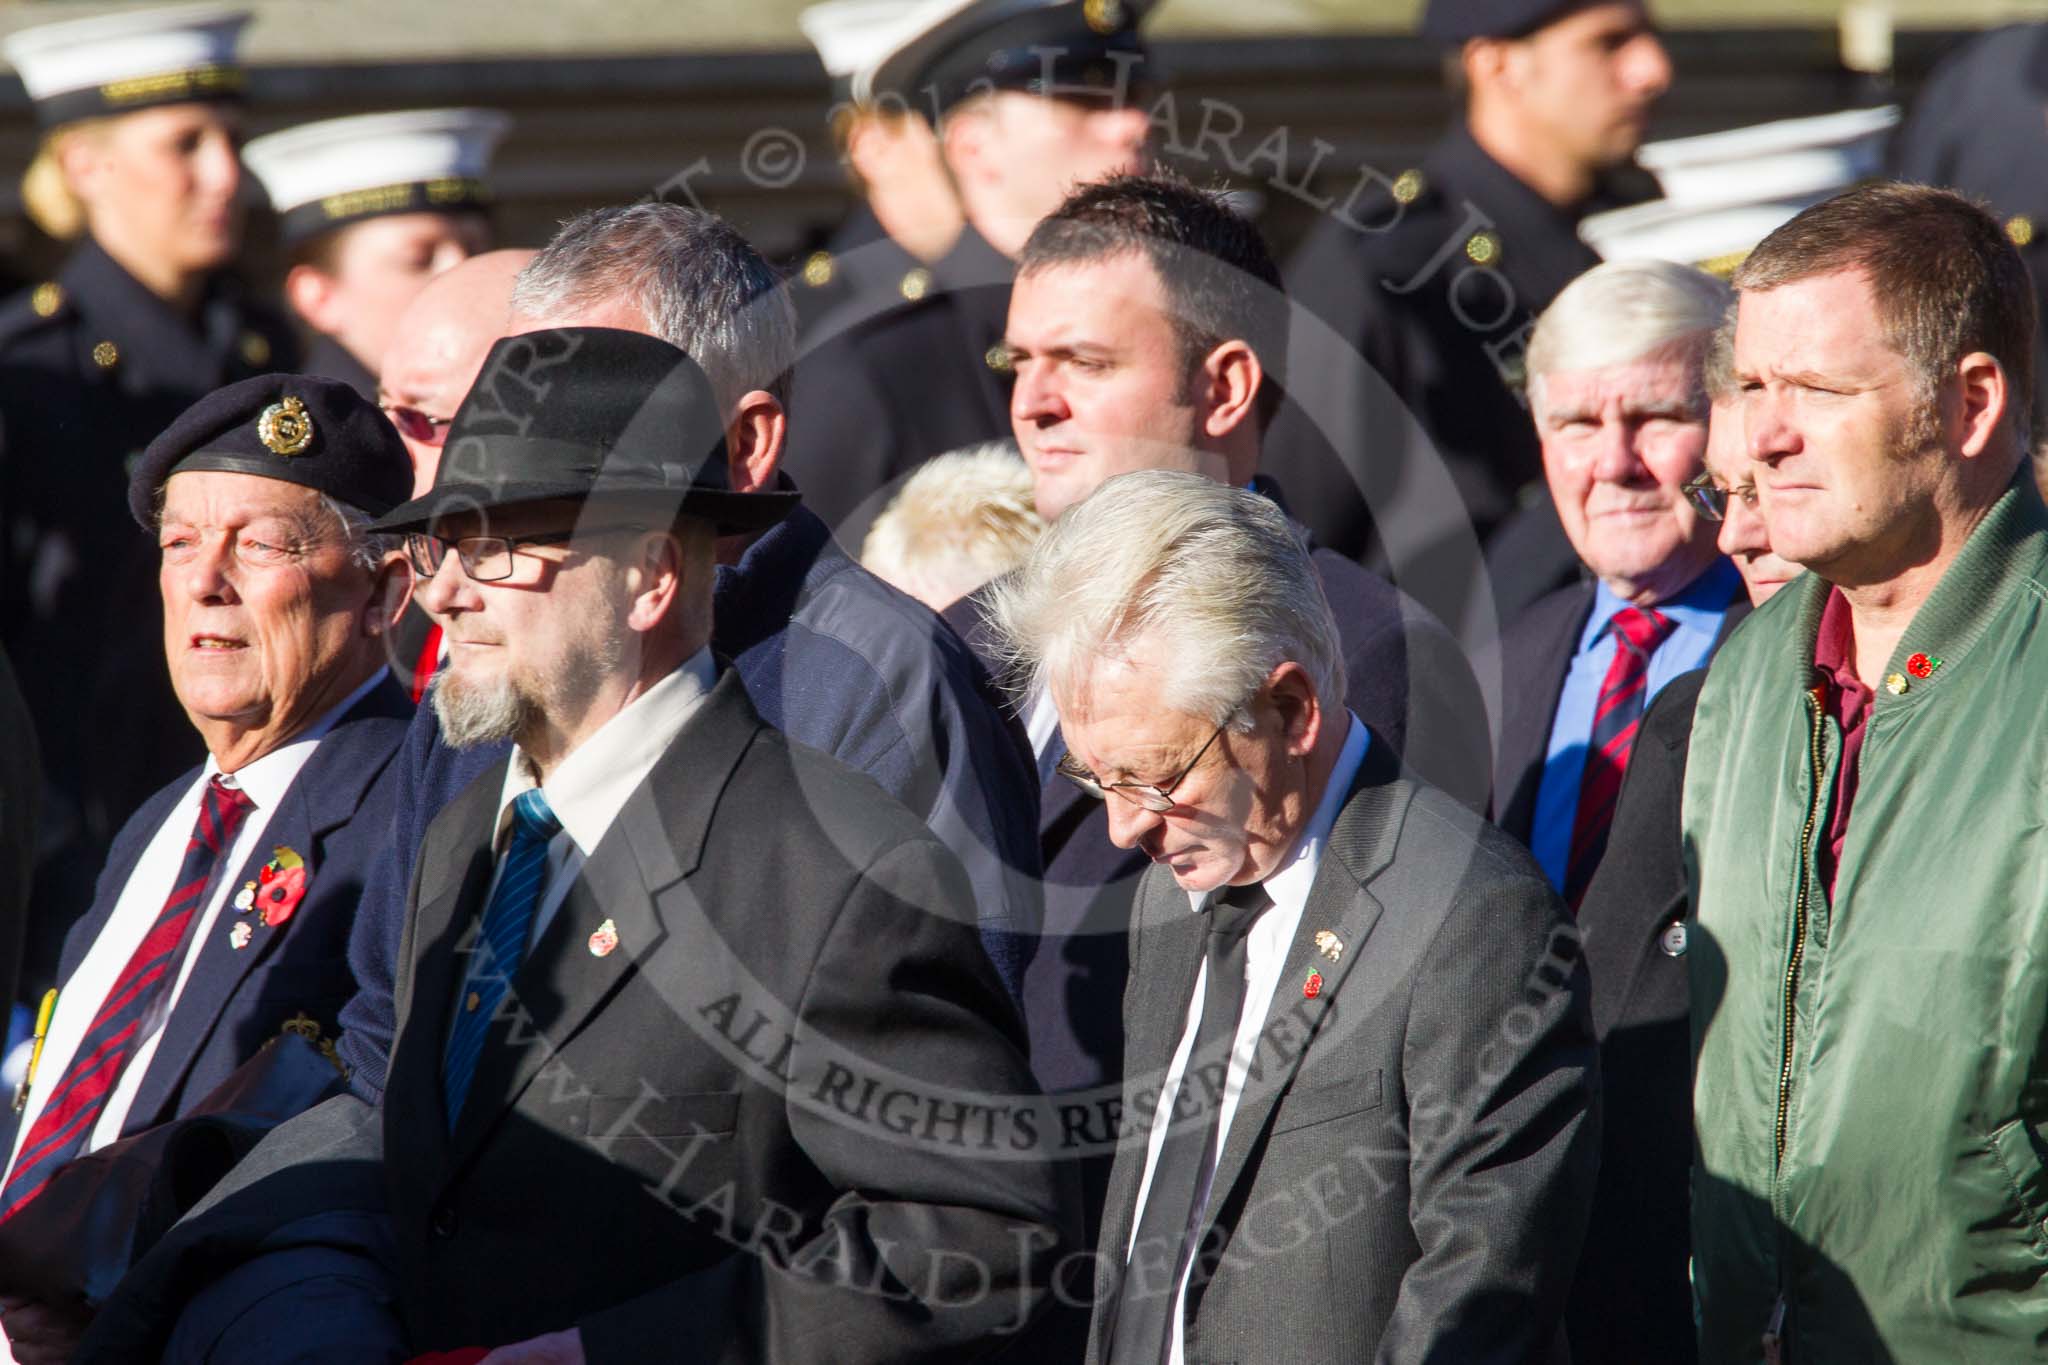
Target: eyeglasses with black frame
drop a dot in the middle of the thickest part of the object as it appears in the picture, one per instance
(1710, 500)
(487, 559)
(1144, 795)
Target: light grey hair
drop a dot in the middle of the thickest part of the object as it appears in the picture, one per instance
(1621, 312)
(1717, 374)
(1215, 573)
(696, 282)
(366, 548)
(963, 518)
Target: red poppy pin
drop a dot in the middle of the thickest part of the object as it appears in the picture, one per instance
(281, 886)
(1922, 665)
(1312, 987)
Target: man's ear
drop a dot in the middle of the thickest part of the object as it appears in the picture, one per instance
(1231, 379)
(1293, 695)
(654, 580)
(967, 140)
(313, 295)
(390, 589)
(753, 442)
(1985, 396)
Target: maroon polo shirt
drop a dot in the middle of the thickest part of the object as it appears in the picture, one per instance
(1848, 701)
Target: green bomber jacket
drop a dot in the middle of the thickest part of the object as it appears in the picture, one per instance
(1871, 1073)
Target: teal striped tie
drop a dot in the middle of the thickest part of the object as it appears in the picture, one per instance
(501, 946)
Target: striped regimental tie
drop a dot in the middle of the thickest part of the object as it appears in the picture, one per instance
(1617, 717)
(60, 1130)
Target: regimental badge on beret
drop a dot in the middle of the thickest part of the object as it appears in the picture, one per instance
(1104, 16)
(285, 427)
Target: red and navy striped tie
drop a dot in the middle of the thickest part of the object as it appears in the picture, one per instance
(66, 1120)
(1616, 717)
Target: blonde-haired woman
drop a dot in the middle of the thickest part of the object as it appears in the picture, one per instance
(140, 170)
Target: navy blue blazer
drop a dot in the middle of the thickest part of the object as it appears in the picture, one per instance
(834, 658)
(337, 816)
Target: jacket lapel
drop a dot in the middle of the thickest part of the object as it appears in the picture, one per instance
(325, 795)
(1361, 844)
(454, 876)
(657, 840)
(127, 851)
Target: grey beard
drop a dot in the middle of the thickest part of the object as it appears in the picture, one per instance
(471, 715)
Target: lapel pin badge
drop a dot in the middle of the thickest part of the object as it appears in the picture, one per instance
(1312, 987)
(603, 939)
(1329, 945)
(1922, 665)
(239, 936)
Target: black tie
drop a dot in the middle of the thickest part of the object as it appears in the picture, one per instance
(1170, 1224)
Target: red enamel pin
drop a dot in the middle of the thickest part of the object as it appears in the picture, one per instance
(1312, 987)
(1922, 665)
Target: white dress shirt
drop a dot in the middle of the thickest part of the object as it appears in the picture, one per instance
(1266, 957)
(265, 781)
(589, 788)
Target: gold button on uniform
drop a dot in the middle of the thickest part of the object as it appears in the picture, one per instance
(915, 284)
(997, 358)
(473, 1001)
(106, 355)
(1483, 248)
(2020, 229)
(47, 298)
(1408, 187)
(818, 269)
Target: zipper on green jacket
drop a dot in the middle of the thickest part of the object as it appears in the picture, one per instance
(1816, 699)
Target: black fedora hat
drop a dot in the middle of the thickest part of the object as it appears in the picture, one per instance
(589, 414)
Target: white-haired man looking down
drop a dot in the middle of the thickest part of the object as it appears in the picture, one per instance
(1342, 982)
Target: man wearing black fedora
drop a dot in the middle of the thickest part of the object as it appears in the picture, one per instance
(695, 1029)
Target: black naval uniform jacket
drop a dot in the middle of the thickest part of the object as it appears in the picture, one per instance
(330, 359)
(738, 1129)
(1435, 279)
(1977, 127)
(92, 367)
(856, 272)
(874, 401)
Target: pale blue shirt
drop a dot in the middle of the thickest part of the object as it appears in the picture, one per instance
(1698, 612)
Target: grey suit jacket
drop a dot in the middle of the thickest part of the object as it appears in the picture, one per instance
(1407, 1174)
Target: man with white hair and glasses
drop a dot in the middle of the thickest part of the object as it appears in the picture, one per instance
(1615, 385)
(1360, 1085)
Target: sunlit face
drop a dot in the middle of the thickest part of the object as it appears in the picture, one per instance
(1619, 444)
(266, 617)
(161, 185)
(1102, 384)
(539, 643)
(1588, 81)
(1848, 465)
(1743, 537)
(1040, 148)
(1238, 810)
(380, 266)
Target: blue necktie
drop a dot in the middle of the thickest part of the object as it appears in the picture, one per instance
(501, 945)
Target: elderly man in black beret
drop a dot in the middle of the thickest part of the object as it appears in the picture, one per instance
(222, 915)
(696, 1032)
